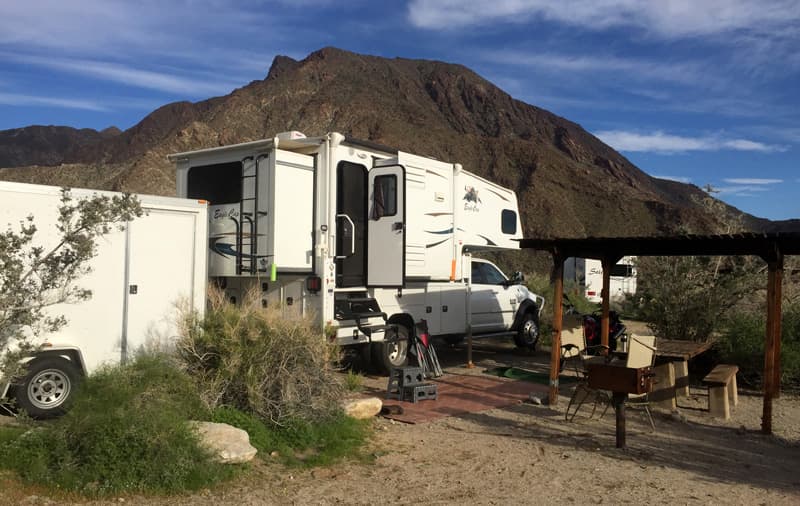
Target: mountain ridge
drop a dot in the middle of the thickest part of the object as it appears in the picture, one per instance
(569, 183)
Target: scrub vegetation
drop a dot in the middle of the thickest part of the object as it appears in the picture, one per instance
(260, 370)
(126, 432)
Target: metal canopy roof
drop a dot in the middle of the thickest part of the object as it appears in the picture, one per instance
(770, 247)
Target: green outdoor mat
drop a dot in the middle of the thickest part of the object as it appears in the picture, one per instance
(522, 374)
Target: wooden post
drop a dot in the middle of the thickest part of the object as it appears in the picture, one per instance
(558, 315)
(618, 399)
(772, 341)
(776, 327)
(605, 294)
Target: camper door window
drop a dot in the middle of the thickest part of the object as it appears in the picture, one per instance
(385, 196)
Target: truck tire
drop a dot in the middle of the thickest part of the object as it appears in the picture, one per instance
(528, 333)
(388, 355)
(48, 387)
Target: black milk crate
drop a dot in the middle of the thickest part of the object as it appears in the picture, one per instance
(424, 392)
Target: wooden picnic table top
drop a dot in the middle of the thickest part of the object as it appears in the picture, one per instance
(676, 349)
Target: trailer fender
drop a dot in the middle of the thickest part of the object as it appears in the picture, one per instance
(70, 353)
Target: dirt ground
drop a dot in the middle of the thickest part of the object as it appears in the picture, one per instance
(528, 453)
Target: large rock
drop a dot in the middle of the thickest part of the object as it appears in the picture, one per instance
(228, 444)
(363, 408)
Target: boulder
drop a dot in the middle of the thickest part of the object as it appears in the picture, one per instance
(228, 444)
(362, 408)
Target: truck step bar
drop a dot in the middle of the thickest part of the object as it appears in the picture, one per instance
(493, 334)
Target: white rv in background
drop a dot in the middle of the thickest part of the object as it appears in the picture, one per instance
(369, 239)
(137, 277)
(587, 273)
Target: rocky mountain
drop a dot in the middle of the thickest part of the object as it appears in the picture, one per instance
(569, 183)
(47, 145)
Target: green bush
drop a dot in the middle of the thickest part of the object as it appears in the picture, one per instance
(267, 362)
(301, 443)
(540, 284)
(126, 432)
(742, 343)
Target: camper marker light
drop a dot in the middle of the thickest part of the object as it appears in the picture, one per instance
(273, 273)
(313, 284)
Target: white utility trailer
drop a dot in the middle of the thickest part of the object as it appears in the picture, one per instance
(137, 278)
(369, 239)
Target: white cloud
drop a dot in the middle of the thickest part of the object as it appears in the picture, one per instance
(666, 18)
(740, 191)
(194, 85)
(685, 73)
(660, 142)
(678, 179)
(21, 100)
(752, 181)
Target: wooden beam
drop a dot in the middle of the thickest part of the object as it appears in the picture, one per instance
(558, 315)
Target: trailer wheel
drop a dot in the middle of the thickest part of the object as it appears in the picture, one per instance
(528, 333)
(387, 355)
(48, 387)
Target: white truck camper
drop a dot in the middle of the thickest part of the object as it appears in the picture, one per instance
(587, 273)
(137, 278)
(368, 239)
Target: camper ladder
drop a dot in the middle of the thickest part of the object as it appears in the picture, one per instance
(247, 236)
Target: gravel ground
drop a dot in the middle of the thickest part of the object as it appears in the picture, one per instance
(528, 454)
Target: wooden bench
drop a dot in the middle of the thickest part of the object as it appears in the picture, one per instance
(722, 390)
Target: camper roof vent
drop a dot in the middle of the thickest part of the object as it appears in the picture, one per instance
(290, 136)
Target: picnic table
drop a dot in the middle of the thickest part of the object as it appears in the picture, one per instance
(672, 369)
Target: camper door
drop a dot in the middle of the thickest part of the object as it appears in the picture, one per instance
(386, 228)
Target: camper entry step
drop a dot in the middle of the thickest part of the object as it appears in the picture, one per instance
(424, 392)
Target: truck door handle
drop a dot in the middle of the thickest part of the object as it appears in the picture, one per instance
(397, 225)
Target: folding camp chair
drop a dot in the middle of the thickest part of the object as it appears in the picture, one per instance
(574, 352)
(641, 353)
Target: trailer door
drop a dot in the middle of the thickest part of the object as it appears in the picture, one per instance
(160, 276)
(386, 229)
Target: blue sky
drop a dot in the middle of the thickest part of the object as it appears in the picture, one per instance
(702, 91)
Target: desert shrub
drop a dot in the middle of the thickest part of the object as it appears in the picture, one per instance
(300, 443)
(541, 284)
(353, 381)
(126, 432)
(267, 362)
(742, 343)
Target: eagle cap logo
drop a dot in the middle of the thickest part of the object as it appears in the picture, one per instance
(471, 199)
(471, 195)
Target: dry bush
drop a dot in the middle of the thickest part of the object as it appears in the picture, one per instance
(268, 362)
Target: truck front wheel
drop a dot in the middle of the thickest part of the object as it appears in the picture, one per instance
(528, 333)
(392, 354)
(48, 387)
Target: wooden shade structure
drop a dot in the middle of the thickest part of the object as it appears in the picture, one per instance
(770, 247)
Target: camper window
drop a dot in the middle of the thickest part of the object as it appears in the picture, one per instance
(508, 222)
(622, 270)
(220, 183)
(384, 197)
